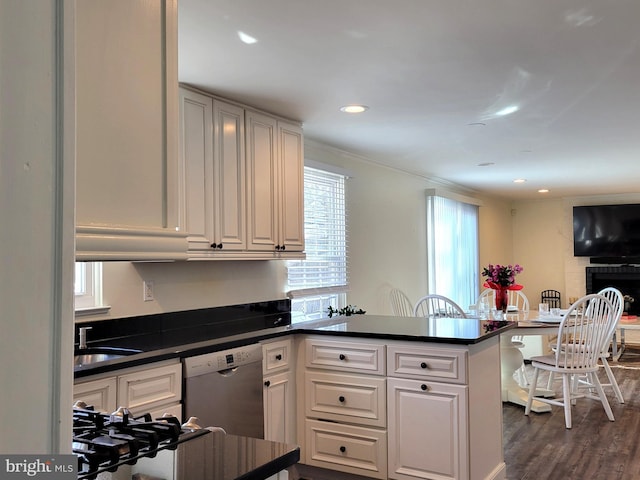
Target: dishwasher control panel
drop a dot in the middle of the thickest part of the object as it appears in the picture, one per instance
(222, 360)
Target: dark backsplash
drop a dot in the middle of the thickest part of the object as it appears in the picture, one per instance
(170, 329)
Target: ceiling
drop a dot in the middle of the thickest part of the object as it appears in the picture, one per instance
(436, 74)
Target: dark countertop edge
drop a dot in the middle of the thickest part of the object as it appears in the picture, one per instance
(309, 328)
(274, 466)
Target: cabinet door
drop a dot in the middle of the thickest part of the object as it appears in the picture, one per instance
(291, 225)
(279, 407)
(196, 160)
(101, 394)
(150, 389)
(427, 430)
(127, 125)
(229, 176)
(262, 200)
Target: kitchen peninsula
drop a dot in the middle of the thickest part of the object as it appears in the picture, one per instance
(378, 396)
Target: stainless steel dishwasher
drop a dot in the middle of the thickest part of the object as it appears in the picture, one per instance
(224, 389)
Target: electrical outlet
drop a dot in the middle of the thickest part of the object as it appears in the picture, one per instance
(147, 294)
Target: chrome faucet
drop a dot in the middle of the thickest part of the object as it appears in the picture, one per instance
(82, 333)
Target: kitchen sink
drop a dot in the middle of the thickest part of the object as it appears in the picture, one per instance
(88, 356)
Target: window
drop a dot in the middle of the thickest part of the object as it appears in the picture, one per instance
(452, 249)
(321, 279)
(88, 288)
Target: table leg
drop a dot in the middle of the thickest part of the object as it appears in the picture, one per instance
(511, 360)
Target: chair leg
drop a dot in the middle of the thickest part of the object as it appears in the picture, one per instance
(603, 398)
(532, 390)
(612, 380)
(550, 381)
(566, 391)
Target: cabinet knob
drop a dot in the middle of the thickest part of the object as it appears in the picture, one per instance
(220, 246)
(278, 357)
(423, 365)
(267, 383)
(343, 449)
(216, 246)
(341, 399)
(342, 356)
(277, 247)
(283, 247)
(424, 387)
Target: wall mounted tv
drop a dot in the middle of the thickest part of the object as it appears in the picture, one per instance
(607, 233)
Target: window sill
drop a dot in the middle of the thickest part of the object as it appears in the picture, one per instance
(85, 312)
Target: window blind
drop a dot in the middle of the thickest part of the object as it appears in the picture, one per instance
(324, 271)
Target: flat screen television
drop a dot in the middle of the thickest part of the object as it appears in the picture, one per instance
(609, 232)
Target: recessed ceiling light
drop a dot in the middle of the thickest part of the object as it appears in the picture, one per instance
(543, 190)
(507, 110)
(486, 164)
(354, 108)
(519, 180)
(248, 39)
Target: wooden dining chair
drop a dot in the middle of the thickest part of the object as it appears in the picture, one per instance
(401, 306)
(551, 298)
(437, 306)
(583, 333)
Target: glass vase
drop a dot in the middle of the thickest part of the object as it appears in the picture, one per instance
(502, 299)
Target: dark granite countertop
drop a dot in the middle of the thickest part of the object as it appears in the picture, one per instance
(160, 345)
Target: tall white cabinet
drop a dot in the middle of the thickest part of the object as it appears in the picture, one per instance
(126, 140)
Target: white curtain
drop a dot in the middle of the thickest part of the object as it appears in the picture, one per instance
(452, 249)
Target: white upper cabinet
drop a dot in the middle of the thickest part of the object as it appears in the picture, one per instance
(275, 167)
(241, 181)
(127, 113)
(212, 179)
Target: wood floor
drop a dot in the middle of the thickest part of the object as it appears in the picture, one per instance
(539, 447)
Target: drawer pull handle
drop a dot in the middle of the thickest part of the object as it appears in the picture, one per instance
(267, 383)
(424, 387)
(278, 357)
(343, 449)
(423, 365)
(342, 356)
(341, 399)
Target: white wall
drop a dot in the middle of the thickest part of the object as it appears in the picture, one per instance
(543, 244)
(387, 232)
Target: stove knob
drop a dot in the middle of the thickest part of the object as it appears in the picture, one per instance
(192, 424)
(121, 415)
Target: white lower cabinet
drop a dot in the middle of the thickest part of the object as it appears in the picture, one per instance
(279, 394)
(347, 448)
(427, 429)
(101, 394)
(402, 410)
(155, 390)
(345, 424)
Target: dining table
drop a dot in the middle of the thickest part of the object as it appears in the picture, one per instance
(511, 359)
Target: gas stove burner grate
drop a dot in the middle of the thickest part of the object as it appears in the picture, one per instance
(102, 442)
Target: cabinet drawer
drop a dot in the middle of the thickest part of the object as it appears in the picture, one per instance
(346, 398)
(439, 364)
(142, 391)
(345, 356)
(356, 450)
(277, 356)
